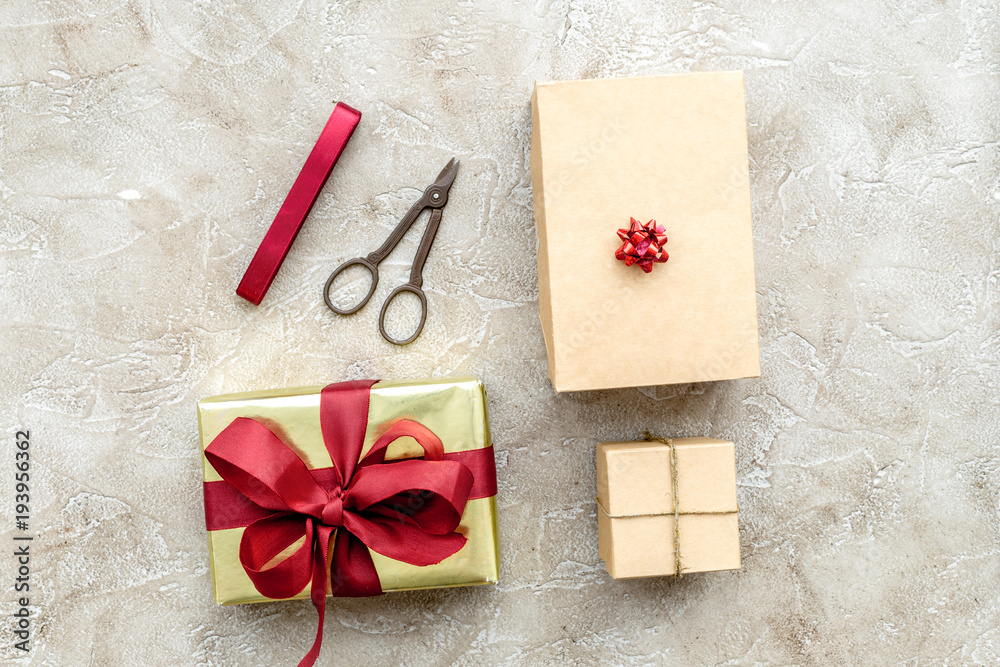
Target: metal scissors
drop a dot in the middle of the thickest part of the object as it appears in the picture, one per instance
(434, 198)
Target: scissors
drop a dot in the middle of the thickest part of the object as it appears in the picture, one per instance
(434, 198)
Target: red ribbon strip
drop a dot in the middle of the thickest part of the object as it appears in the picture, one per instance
(407, 510)
(278, 240)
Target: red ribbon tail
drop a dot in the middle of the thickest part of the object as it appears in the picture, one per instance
(313, 653)
(317, 592)
(353, 573)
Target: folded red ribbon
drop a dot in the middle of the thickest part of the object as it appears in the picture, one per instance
(287, 223)
(407, 510)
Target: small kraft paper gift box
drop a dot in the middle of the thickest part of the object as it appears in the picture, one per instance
(350, 489)
(667, 507)
(627, 174)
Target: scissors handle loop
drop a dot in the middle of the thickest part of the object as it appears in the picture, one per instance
(357, 261)
(405, 287)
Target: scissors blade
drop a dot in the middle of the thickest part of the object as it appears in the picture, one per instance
(447, 175)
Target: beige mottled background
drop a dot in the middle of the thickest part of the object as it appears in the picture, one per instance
(145, 146)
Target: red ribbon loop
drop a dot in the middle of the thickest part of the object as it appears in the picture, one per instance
(407, 510)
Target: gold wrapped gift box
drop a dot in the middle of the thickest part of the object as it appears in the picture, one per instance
(454, 409)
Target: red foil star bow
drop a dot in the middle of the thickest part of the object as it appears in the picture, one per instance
(642, 244)
(408, 509)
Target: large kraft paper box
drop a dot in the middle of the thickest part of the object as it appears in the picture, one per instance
(641, 533)
(666, 148)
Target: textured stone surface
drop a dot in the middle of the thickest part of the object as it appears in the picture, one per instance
(145, 146)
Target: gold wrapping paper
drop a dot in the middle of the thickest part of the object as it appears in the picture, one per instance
(454, 408)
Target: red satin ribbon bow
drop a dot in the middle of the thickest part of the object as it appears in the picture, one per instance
(407, 509)
(642, 244)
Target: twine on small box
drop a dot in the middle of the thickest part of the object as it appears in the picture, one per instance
(675, 498)
(649, 437)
